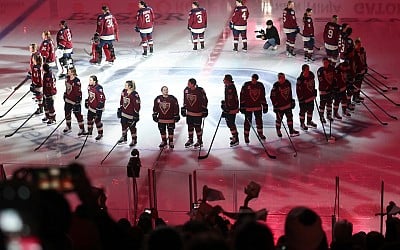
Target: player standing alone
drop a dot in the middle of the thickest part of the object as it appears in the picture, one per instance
(144, 25)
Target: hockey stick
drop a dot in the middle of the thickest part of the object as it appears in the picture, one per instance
(320, 118)
(109, 152)
(382, 83)
(9, 135)
(201, 157)
(87, 52)
(376, 104)
(1, 116)
(83, 145)
(376, 85)
(52, 132)
(259, 139)
(290, 139)
(385, 96)
(384, 77)
(372, 113)
(16, 88)
(202, 130)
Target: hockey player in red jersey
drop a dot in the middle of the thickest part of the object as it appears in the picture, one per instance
(290, 28)
(37, 82)
(361, 68)
(166, 114)
(230, 107)
(306, 94)
(238, 24)
(128, 112)
(197, 24)
(47, 50)
(308, 35)
(252, 100)
(144, 25)
(283, 102)
(332, 39)
(64, 49)
(73, 99)
(33, 48)
(339, 90)
(194, 108)
(49, 91)
(95, 105)
(107, 29)
(326, 75)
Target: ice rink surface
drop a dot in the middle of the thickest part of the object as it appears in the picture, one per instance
(364, 155)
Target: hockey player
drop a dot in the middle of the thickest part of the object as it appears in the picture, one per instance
(308, 36)
(283, 103)
(252, 100)
(49, 91)
(72, 99)
(361, 68)
(306, 93)
(339, 90)
(230, 107)
(325, 78)
(129, 112)
(332, 39)
(95, 105)
(47, 50)
(37, 82)
(144, 25)
(194, 109)
(107, 29)
(33, 48)
(197, 24)
(166, 114)
(346, 52)
(238, 25)
(64, 49)
(290, 28)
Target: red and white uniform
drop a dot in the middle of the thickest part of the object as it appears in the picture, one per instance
(252, 96)
(107, 27)
(167, 108)
(145, 20)
(360, 60)
(73, 92)
(195, 101)
(96, 98)
(332, 35)
(305, 88)
(240, 17)
(325, 78)
(47, 51)
(197, 21)
(281, 95)
(130, 104)
(308, 29)
(289, 21)
(37, 78)
(64, 40)
(231, 99)
(49, 84)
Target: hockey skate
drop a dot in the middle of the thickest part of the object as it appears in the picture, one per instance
(98, 137)
(311, 124)
(198, 144)
(234, 142)
(337, 116)
(171, 145)
(134, 142)
(44, 120)
(262, 136)
(246, 140)
(67, 130)
(51, 121)
(279, 133)
(294, 133)
(303, 127)
(83, 132)
(163, 144)
(189, 143)
(123, 140)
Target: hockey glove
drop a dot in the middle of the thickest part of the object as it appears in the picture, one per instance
(136, 117)
(183, 111)
(177, 118)
(119, 114)
(86, 103)
(189, 28)
(137, 29)
(204, 113)
(264, 108)
(155, 116)
(223, 106)
(224, 114)
(32, 88)
(231, 25)
(29, 75)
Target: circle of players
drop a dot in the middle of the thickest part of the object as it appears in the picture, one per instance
(339, 80)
